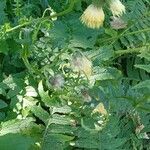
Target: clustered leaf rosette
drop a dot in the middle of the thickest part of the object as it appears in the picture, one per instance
(93, 17)
(117, 8)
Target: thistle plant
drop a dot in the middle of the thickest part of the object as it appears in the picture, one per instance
(64, 86)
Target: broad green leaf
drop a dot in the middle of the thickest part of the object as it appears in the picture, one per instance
(61, 119)
(55, 141)
(44, 95)
(30, 91)
(65, 129)
(2, 104)
(2, 11)
(65, 110)
(101, 55)
(62, 138)
(3, 47)
(101, 73)
(86, 143)
(40, 113)
(59, 34)
(15, 142)
(50, 143)
(14, 83)
(80, 36)
(15, 126)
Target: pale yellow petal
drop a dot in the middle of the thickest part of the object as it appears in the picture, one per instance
(93, 17)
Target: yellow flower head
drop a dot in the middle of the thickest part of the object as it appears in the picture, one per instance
(93, 16)
(116, 7)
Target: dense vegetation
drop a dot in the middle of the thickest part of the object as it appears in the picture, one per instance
(65, 86)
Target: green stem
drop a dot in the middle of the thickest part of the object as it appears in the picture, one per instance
(45, 133)
(136, 32)
(137, 50)
(119, 53)
(26, 62)
(122, 35)
(130, 50)
(68, 10)
(32, 70)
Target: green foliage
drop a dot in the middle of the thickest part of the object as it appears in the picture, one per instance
(105, 139)
(46, 103)
(2, 12)
(17, 141)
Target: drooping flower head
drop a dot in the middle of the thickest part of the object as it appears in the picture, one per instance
(116, 7)
(82, 64)
(118, 23)
(93, 17)
(57, 81)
